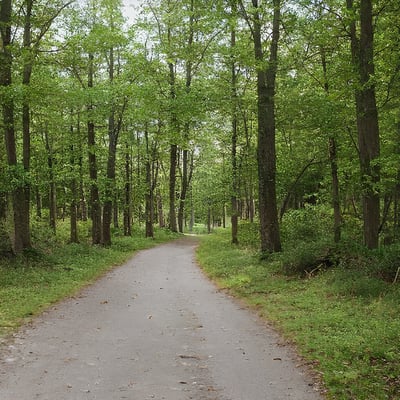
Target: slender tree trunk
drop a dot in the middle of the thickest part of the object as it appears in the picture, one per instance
(185, 158)
(112, 147)
(73, 214)
(333, 160)
(192, 217)
(337, 215)
(82, 206)
(160, 210)
(95, 206)
(38, 197)
(209, 220)
(74, 194)
(173, 153)
(367, 120)
(5, 242)
(116, 211)
(266, 154)
(234, 137)
(128, 193)
(149, 196)
(7, 107)
(172, 187)
(52, 184)
(250, 181)
(26, 118)
(108, 204)
(173, 146)
(184, 188)
(7, 102)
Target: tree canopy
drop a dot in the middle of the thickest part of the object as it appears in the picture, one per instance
(197, 111)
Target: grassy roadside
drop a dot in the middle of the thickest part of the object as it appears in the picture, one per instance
(55, 270)
(344, 323)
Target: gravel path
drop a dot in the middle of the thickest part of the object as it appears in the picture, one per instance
(154, 328)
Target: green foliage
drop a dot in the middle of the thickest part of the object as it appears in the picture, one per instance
(306, 224)
(249, 235)
(344, 320)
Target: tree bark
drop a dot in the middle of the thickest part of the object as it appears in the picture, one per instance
(367, 120)
(333, 160)
(52, 184)
(74, 194)
(7, 103)
(149, 196)
(184, 189)
(172, 187)
(173, 145)
(95, 207)
(160, 210)
(26, 118)
(185, 159)
(266, 153)
(112, 148)
(128, 194)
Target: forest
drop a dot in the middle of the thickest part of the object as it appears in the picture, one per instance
(197, 112)
(274, 125)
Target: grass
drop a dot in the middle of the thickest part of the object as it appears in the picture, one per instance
(344, 321)
(54, 270)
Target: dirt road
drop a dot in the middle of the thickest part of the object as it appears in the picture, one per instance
(154, 328)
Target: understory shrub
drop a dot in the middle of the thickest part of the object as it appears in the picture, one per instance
(306, 224)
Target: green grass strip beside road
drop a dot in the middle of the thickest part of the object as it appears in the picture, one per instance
(343, 327)
(55, 270)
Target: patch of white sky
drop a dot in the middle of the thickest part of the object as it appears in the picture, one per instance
(131, 9)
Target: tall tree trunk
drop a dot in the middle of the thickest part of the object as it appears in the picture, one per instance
(172, 187)
(7, 106)
(234, 137)
(149, 196)
(82, 206)
(7, 103)
(112, 147)
(108, 204)
(184, 188)
(173, 146)
(185, 159)
(160, 210)
(250, 181)
(116, 211)
(173, 155)
(73, 214)
(95, 207)
(333, 160)
(73, 187)
(26, 117)
(266, 153)
(128, 193)
(52, 184)
(38, 198)
(367, 120)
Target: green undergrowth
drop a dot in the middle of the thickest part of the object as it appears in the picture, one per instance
(343, 318)
(55, 269)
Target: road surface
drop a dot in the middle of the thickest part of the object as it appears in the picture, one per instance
(154, 328)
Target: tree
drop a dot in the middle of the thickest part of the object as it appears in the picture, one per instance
(362, 52)
(266, 153)
(7, 105)
(235, 178)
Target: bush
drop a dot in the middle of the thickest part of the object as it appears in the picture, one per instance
(306, 224)
(306, 258)
(249, 235)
